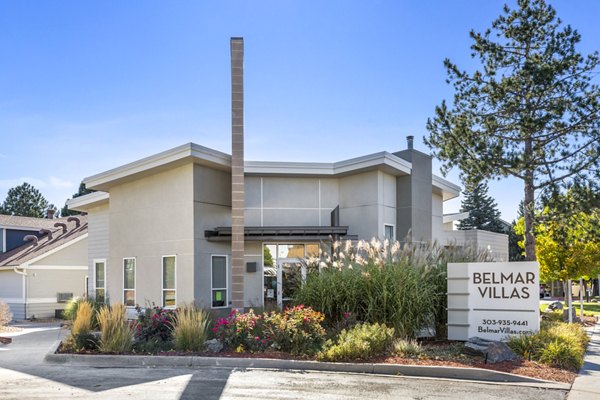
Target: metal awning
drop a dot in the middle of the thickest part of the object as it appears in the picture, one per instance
(266, 233)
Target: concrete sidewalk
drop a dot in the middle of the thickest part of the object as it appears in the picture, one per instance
(587, 383)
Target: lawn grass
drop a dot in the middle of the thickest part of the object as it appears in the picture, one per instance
(588, 308)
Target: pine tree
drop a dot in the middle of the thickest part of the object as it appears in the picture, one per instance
(482, 209)
(25, 201)
(80, 192)
(530, 111)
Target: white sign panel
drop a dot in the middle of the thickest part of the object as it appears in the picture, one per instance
(502, 299)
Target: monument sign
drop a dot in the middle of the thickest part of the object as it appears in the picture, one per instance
(493, 300)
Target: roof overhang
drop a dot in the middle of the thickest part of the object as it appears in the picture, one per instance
(268, 233)
(90, 200)
(382, 161)
(201, 155)
(455, 217)
(447, 189)
(189, 152)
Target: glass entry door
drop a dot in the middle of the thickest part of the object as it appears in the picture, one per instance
(291, 272)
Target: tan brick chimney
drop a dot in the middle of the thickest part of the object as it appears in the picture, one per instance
(237, 172)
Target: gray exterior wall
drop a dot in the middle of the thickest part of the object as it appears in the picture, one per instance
(414, 201)
(149, 218)
(277, 201)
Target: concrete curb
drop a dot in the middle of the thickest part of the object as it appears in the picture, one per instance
(435, 372)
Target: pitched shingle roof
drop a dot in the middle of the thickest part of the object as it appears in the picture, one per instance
(30, 250)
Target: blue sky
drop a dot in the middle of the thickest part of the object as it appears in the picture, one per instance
(88, 86)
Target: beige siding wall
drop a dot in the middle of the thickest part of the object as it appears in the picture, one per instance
(11, 285)
(149, 218)
(98, 240)
(75, 254)
(47, 283)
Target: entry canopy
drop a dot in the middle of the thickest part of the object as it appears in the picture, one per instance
(265, 233)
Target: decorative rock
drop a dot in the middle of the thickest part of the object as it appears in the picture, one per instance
(492, 351)
(557, 305)
(214, 345)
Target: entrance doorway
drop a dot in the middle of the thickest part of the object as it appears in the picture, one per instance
(282, 281)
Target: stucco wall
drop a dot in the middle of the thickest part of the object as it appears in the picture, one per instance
(437, 218)
(212, 208)
(367, 202)
(149, 218)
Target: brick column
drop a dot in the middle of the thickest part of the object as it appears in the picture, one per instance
(237, 172)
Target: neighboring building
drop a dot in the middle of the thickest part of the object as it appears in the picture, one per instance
(43, 263)
(495, 243)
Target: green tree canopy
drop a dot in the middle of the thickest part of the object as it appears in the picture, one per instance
(531, 110)
(26, 201)
(80, 192)
(482, 209)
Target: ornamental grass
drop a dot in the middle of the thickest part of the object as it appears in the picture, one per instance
(403, 286)
(116, 333)
(190, 328)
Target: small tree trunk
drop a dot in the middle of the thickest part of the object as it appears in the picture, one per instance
(569, 301)
(528, 210)
(581, 298)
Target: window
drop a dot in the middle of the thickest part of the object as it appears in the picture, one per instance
(100, 280)
(129, 282)
(388, 231)
(219, 281)
(168, 281)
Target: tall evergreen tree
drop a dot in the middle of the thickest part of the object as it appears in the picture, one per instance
(26, 201)
(530, 111)
(482, 209)
(515, 251)
(80, 192)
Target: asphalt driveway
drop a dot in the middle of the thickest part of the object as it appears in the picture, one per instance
(24, 375)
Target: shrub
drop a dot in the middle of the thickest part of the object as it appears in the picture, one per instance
(402, 286)
(190, 328)
(557, 344)
(358, 343)
(562, 355)
(526, 345)
(5, 314)
(243, 331)
(155, 324)
(407, 347)
(116, 333)
(297, 330)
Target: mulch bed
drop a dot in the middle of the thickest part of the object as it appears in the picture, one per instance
(523, 367)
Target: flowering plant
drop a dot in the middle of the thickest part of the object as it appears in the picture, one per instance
(155, 323)
(242, 331)
(297, 330)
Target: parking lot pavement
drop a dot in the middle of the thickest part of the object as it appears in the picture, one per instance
(23, 375)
